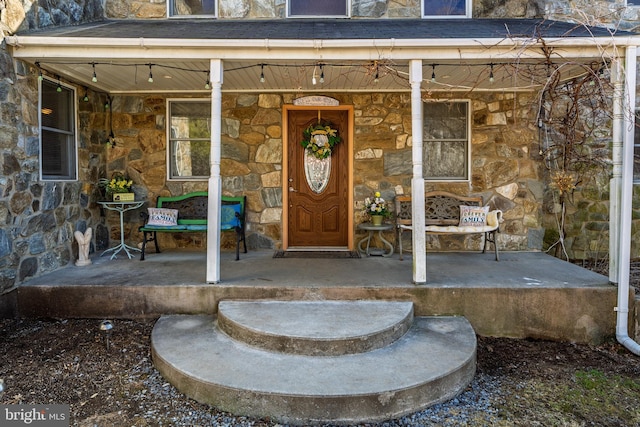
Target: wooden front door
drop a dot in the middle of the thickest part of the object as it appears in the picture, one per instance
(317, 218)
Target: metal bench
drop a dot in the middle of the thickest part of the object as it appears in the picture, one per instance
(442, 216)
(192, 218)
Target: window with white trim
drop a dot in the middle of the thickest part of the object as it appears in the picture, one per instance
(189, 139)
(58, 152)
(633, 2)
(446, 8)
(324, 8)
(192, 8)
(446, 141)
(636, 150)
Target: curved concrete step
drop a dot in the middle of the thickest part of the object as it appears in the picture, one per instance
(431, 363)
(316, 328)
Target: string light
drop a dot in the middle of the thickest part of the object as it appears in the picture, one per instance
(59, 87)
(491, 79)
(95, 77)
(261, 73)
(150, 80)
(321, 73)
(207, 84)
(313, 77)
(377, 77)
(433, 73)
(86, 95)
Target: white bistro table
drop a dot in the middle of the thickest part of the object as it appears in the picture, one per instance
(121, 207)
(367, 226)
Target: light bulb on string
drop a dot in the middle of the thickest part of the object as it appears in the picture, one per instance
(150, 79)
(491, 79)
(433, 73)
(377, 77)
(313, 76)
(207, 84)
(95, 77)
(39, 72)
(85, 98)
(59, 87)
(261, 73)
(321, 73)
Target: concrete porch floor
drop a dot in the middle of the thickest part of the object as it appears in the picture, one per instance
(525, 294)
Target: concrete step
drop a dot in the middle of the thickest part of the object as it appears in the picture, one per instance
(316, 328)
(432, 362)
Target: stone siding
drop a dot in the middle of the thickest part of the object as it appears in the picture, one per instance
(504, 171)
(38, 218)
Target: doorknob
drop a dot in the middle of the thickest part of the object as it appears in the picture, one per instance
(292, 190)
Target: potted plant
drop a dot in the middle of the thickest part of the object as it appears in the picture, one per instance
(377, 209)
(118, 188)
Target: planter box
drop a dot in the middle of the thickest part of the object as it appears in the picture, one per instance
(123, 197)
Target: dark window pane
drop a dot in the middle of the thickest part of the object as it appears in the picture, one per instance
(193, 7)
(444, 7)
(57, 131)
(317, 8)
(445, 140)
(445, 120)
(636, 163)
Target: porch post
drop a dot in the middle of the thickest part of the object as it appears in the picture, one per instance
(215, 181)
(615, 184)
(626, 203)
(417, 182)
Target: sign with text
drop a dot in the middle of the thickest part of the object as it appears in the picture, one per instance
(34, 415)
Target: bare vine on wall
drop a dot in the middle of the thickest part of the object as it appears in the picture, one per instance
(574, 121)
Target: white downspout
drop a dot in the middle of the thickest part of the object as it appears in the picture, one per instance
(215, 180)
(615, 184)
(622, 327)
(417, 182)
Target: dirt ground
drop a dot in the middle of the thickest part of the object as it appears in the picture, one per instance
(110, 381)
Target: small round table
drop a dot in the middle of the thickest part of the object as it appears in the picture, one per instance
(121, 207)
(367, 226)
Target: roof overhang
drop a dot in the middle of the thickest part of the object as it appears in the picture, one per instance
(122, 51)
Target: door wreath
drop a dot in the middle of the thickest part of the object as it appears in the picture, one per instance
(319, 139)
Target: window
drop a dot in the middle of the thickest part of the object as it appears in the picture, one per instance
(58, 159)
(191, 8)
(446, 141)
(189, 136)
(633, 2)
(636, 150)
(310, 8)
(446, 8)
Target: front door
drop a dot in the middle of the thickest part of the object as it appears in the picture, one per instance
(318, 214)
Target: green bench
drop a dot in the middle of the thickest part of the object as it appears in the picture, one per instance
(188, 214)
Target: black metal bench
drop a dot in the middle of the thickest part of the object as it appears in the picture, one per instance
(192, 218)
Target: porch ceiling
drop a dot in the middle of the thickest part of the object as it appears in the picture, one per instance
(462, 54)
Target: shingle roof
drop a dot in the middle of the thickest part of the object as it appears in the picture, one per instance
(309, 29)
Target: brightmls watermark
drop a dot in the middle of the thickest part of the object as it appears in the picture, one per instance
(34, 415)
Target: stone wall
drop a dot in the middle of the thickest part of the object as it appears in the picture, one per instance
(38, 218)
(504, 170)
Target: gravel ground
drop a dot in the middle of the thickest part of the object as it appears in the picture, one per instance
(113, 383)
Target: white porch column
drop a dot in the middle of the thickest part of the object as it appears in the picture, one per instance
(215, 181)
(622, 320)
(417, 182)
(615, 184)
